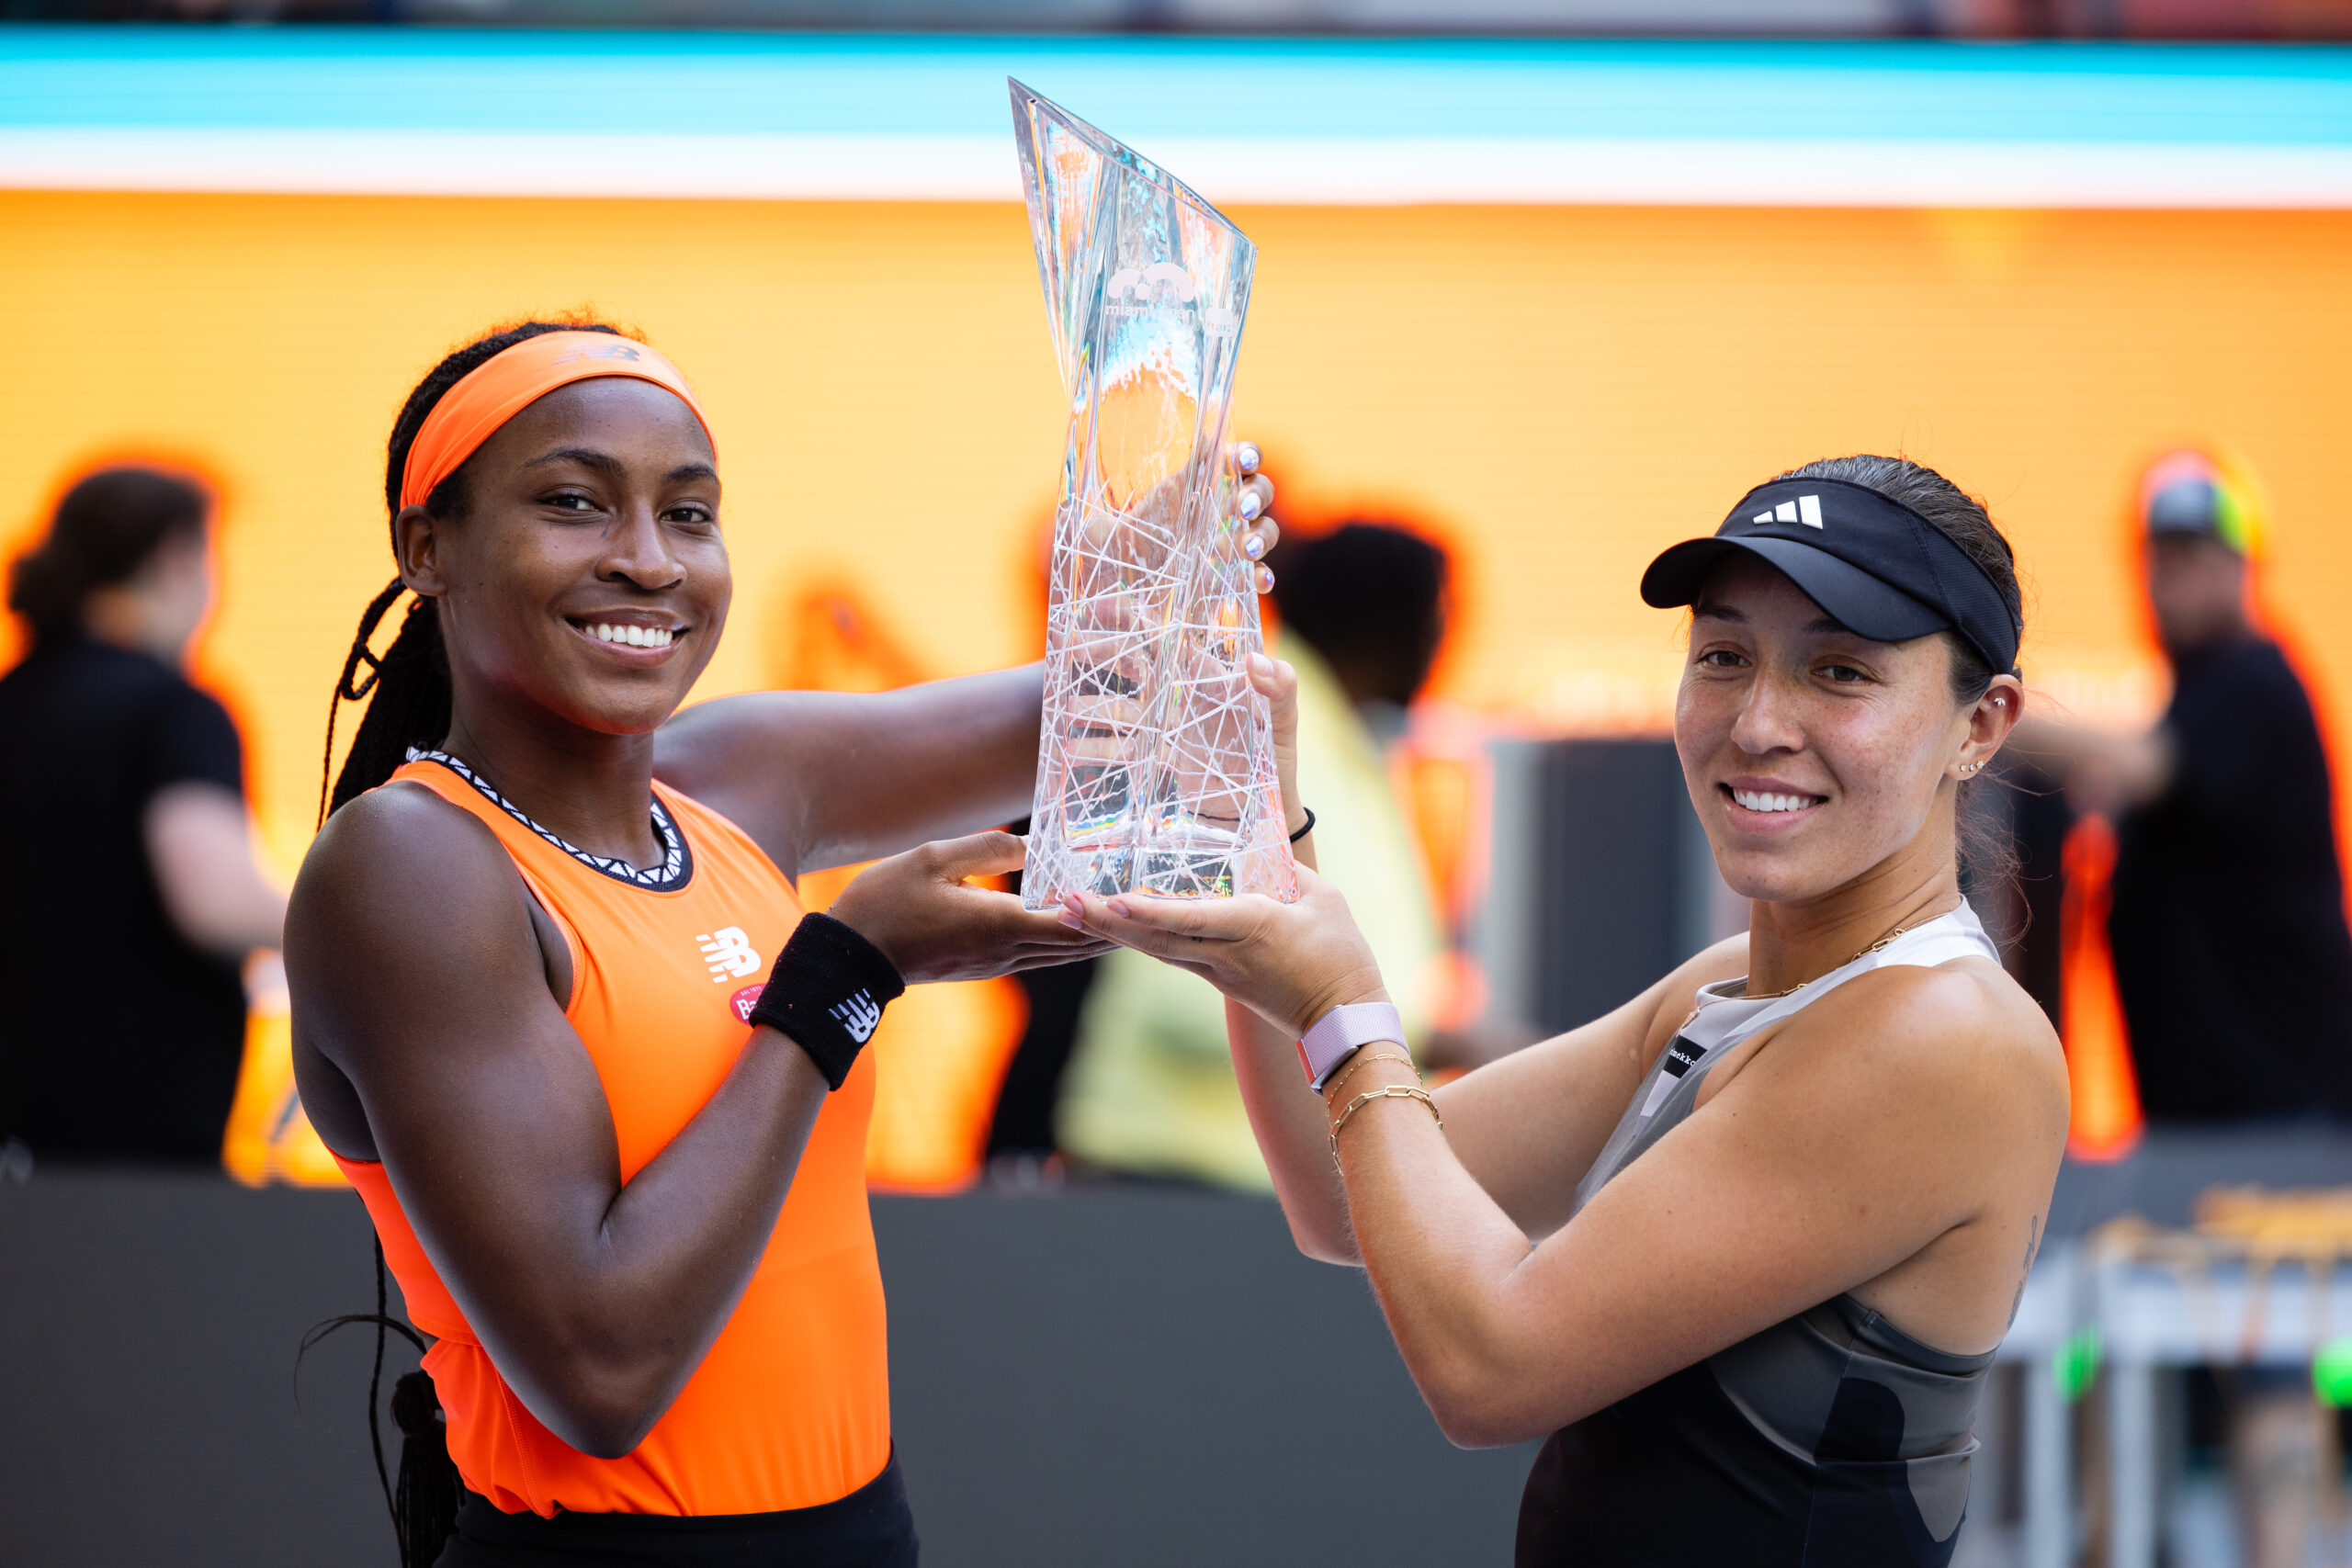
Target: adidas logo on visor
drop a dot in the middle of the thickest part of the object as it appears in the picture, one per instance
(1804, 509)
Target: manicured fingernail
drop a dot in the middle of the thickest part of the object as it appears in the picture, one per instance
(1260, 665)
(1072, 922)
(1246, 457)
(1265, 580)
(1119, 907)
(1254, 546)
(1250, 505)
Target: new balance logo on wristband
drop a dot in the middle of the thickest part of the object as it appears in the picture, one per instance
(859, 1016)
(825, 958)
(729, 953)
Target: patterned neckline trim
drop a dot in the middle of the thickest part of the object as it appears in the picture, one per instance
(678, 867)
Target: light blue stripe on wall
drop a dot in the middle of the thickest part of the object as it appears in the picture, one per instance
(374, 80)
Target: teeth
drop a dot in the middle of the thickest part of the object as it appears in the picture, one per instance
(635, 636)
(1754, 801)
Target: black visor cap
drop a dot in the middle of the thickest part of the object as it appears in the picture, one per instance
(1876, 566)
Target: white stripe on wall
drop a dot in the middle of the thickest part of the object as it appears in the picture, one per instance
(1349, 172)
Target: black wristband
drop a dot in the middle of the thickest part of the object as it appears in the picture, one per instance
(1309, 827)
(827, 992)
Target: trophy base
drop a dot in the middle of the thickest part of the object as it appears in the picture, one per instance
(1186, 859)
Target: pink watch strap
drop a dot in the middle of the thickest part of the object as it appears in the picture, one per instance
(1339, 1033)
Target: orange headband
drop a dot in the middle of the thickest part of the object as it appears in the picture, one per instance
(510, 381)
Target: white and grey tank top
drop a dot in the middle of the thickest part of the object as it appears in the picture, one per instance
(1727, 1017)
(1832, 1440)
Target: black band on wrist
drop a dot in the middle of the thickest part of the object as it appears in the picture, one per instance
(827, 992)
(1309, 827)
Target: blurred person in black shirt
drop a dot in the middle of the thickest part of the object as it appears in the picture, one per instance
(130, 896)
(2232, 955)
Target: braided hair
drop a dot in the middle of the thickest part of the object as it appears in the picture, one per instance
(407, 686)
(407, 690)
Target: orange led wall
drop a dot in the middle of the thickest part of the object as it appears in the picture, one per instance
(1562, 390)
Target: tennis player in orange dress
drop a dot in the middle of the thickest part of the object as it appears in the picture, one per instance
(560, 1017)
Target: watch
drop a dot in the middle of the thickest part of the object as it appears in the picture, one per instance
(1340, 1032)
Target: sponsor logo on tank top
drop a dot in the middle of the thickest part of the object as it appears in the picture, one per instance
(858, 1015)
(1680, 1056)
(729, 953)
(1804, 509)
(744, 1000)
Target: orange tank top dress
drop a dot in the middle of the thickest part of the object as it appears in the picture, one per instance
(791, 1406)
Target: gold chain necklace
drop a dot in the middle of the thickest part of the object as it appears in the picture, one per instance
(1858, 952)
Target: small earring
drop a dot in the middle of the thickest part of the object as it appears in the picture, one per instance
(1969, 767)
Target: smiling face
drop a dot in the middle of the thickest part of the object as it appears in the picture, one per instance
(587, 580)
(1814, 755)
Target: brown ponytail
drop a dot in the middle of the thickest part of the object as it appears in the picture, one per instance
(107, 526)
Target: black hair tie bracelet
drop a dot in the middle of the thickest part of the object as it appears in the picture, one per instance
(1310, 825)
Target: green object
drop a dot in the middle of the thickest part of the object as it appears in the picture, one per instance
(2332, 1373)
(2075, 1362)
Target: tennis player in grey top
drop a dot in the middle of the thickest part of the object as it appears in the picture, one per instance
(1744, 1247)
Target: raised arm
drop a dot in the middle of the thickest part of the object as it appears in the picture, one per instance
(874, 773)
(1851, 1156)
(1526, 1128)
(1529, 1162)
(830, 778)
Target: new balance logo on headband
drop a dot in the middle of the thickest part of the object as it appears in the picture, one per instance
(1804, 509)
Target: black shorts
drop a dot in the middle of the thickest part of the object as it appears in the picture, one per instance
(871, 1527)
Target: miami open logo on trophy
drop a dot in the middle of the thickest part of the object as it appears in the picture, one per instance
(1156, 766)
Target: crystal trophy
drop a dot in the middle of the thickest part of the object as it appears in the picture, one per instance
(1156, 764)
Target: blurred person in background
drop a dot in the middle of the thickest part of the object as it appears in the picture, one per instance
(132, 896)
(2227, 926)
(2232, 960)
(1150, 1089)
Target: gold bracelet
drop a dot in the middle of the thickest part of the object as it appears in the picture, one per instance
(1331, 1090)
(1395, 1092)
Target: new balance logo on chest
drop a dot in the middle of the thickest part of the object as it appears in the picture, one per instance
(729, 954)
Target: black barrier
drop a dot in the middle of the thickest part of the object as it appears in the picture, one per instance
(1126, 1374)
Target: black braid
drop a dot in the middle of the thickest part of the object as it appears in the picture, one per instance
(410, 705)
(425, 1508)
(409, 681)
(407, 692)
